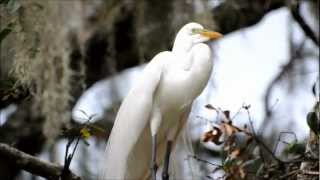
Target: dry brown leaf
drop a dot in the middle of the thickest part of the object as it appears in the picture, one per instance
(235, 153)
(227, 114)
(249, 141)
(229, 129)
(242, 173)
(207, 136)
(213, 136)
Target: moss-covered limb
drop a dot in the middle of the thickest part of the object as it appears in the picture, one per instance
(11, 93)
(131, 27)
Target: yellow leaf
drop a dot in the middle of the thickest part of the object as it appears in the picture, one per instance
(85, 133)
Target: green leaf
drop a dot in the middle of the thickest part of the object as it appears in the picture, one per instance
(228, 163)
(86, 142)
(253, 165)
(313, 122)
(294, 148)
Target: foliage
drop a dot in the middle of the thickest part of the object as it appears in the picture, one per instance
(41, 58)
(82, 132)
(313, 119)
(243, 152)
(36, 35)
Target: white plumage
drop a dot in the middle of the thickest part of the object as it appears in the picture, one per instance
(158, 104)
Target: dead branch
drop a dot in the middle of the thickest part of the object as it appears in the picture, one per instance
(232, 15)
(287, 175)
(205, 161)
(295, 12)
(296, 54)
(310, 172)
(259, 141)
(32, 164)
(299, 171)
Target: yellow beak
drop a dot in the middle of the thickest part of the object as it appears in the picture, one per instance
(210, 34)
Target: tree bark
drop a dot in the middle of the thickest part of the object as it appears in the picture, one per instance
(32, 164)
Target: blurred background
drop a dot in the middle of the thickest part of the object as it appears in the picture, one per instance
(69, 63)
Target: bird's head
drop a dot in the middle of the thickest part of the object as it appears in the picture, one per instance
(193, 33)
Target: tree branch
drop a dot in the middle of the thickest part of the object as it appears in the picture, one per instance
(296, 55)
(295, 7)
(32, 164)
(232, 15)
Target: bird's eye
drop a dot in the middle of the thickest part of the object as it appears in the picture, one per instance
(195, 31)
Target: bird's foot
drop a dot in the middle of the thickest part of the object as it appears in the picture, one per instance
(165, 173)
(165, 176)
(154, 168)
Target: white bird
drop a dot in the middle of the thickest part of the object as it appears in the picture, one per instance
(156, 108)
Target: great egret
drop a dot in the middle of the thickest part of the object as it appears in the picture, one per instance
(156, 108)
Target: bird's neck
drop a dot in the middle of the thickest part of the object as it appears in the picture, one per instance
(197, 64)
(184, 59)
(182, 49)
(200, 69)
(181, 45)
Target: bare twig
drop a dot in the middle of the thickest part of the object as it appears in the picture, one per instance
(295, 56)
(233, 15)
(68, 157)
(299, 171)
(204, 161)
(33, 164)
(295, 7)
(238, 112)
(250, 122)
(295, 172)
(310, 172)
(259, 142)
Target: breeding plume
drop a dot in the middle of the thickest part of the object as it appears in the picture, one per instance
(156, 108)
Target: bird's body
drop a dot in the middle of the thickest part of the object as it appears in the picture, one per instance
(158, 104)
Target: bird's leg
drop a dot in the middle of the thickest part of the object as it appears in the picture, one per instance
(154, 166)
(165, 172)
(154, 127)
